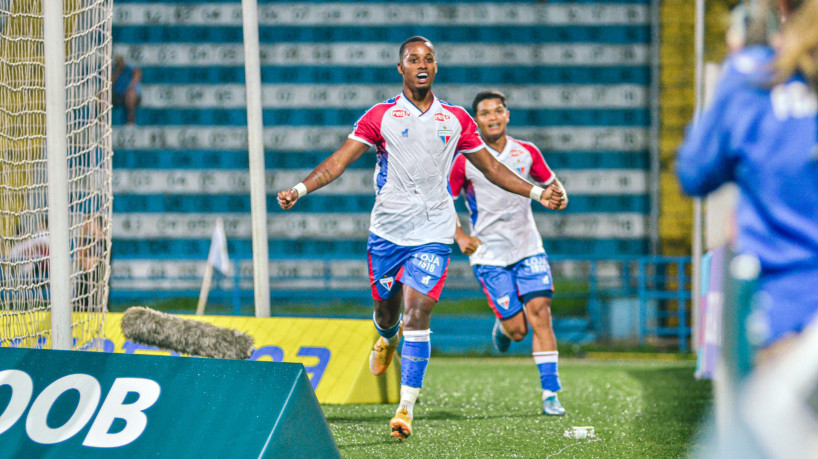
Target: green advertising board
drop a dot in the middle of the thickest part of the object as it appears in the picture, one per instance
(95, 405)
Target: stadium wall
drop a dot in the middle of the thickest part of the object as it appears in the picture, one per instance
(577, 75)
(677, 106)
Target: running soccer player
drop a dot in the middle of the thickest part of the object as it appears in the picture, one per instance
(416, 136)
(505, 249)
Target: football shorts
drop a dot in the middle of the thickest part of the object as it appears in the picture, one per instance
(421, 267)
(509, 288)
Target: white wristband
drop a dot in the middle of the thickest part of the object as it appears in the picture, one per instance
(301, 189)
(536, 193)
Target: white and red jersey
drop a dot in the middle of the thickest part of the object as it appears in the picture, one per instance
(503, 221)
(415, 151)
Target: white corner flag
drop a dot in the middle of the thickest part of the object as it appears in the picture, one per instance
(218, 249)
(216, 258)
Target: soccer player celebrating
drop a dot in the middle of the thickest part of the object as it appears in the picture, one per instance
(505, 249)
(416, 136)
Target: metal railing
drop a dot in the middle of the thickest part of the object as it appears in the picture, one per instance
(629, 298)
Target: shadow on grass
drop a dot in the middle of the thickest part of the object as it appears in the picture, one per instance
(429, 415)
(673, 398)
(372, 419)
(441, 415)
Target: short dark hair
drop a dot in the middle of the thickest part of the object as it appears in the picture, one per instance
(490, 94)
(414, 39)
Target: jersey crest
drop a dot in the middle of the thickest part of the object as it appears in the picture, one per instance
(387, 282)
(445, 135)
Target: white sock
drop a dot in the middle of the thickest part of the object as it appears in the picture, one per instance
(547, 393)
(408, 397)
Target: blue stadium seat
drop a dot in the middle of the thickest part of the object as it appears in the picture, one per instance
(485, 74)
(162, 203)
(215, 159)
(197, 249)
(394, 34)
(346, 117)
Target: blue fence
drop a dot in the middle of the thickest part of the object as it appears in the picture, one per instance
(636, 299)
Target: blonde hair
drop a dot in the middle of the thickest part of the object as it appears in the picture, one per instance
(798, 51)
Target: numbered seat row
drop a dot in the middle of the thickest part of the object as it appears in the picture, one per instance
(328, 204)
(197, 249)
(487, 73)
(608, 34)
(347, 117)
(218, 159)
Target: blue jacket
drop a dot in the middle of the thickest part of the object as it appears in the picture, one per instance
(764, 138)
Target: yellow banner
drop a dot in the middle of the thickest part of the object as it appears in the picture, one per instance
(334, 352)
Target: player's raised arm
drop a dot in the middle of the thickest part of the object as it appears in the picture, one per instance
(329, 169)
(500, 175)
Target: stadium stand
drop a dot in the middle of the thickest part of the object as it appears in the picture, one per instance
(577, 75)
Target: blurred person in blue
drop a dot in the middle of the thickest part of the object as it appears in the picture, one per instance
(505, 248)
(761, 132)
(126, 88)
(416, 137)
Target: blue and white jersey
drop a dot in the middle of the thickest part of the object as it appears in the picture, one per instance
(415, 151)
(502, 221)
(763, 136)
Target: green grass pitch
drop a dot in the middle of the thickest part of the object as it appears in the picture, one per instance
(490, 407)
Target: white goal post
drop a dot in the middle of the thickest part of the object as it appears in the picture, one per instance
(55, 206)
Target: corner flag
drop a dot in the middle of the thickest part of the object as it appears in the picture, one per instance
(218, 257)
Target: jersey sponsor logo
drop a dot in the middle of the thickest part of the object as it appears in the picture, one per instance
(445, 135)
(398, 113)
(429, 262)
(503, 301)
(405, 133)
(442, 117)
(515, 152)
(793, 100)
(387, 282)
(521, 170)
(536, 265)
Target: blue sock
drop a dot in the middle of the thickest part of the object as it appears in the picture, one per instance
(388, 332)
(549, 375)
(417, 347)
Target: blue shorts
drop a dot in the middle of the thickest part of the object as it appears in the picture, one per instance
(509, 288)
(421, 267)
(789, 302)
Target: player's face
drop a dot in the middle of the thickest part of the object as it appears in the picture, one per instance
(418, 65)
(492, 118)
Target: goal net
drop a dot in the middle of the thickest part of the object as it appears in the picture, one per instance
(25, 294)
